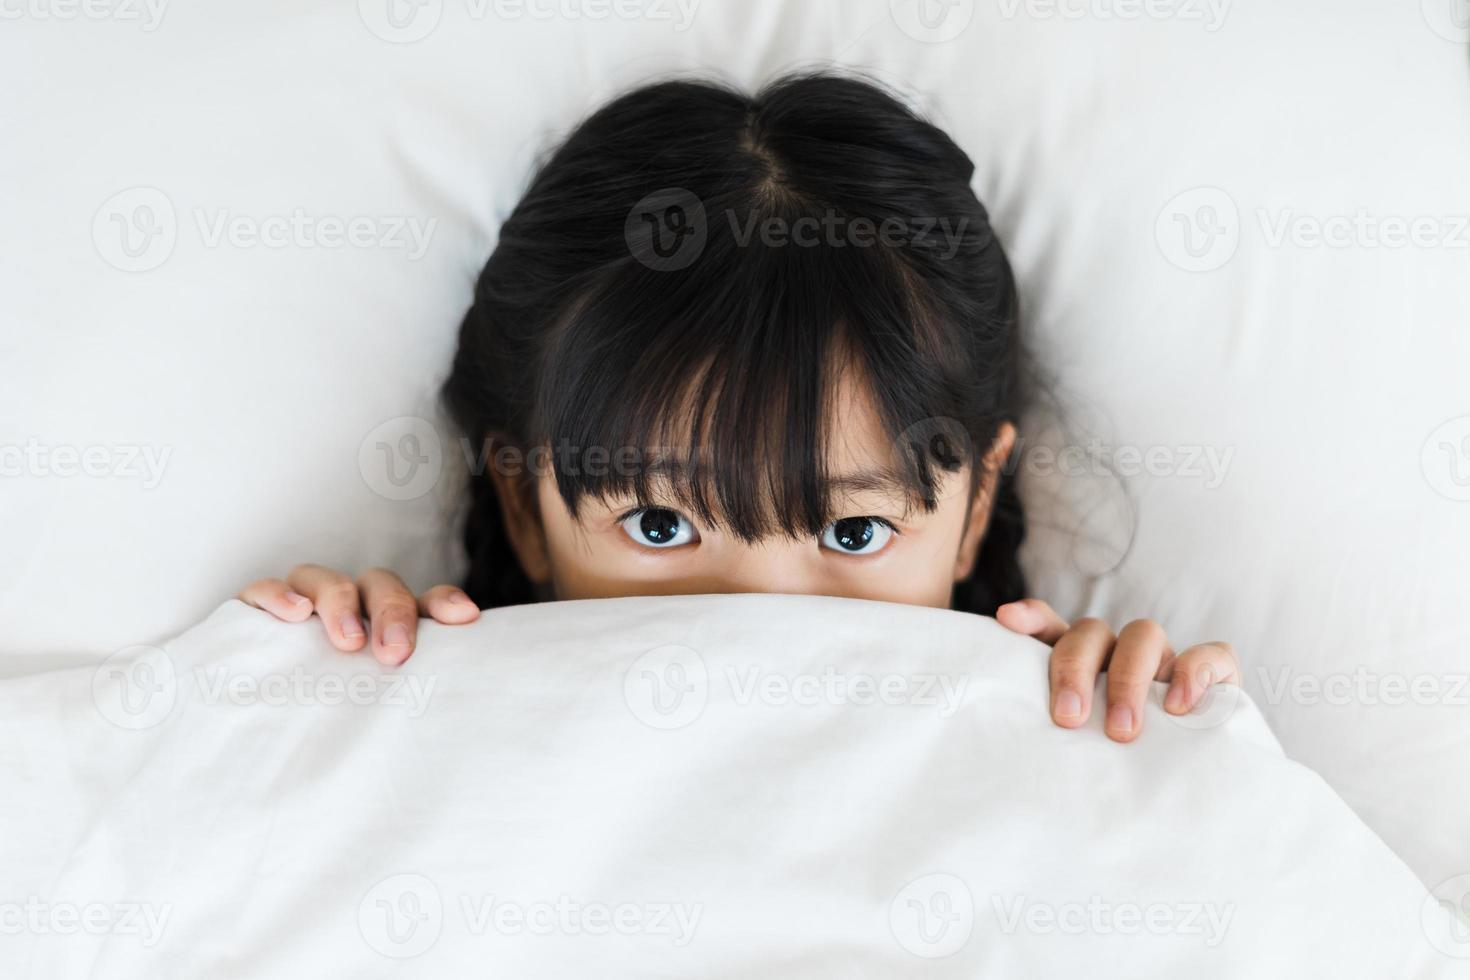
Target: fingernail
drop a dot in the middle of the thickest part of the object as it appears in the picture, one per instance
(351, 626)
(1069, 705)
(296, 598)
(1120, 718)
(1206, 677)
(1175, 699)
(459, 598)
(395, 636)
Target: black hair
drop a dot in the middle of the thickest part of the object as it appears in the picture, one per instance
(692, 265)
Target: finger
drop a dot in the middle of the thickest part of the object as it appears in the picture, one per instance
(447, 604)
(337, 603)
(1142, 647)
(278, 599)
(1076, 660)
(1032, 617)
(1195, 670)
(393, 614)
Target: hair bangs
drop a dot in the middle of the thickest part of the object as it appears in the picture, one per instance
(715, 390)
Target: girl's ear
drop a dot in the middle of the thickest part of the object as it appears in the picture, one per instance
(979, 517)
(522, 518)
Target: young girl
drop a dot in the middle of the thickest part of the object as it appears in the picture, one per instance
(749, 344)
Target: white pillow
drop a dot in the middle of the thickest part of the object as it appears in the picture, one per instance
(188, 410)
(1284, 401)
(1325, 380)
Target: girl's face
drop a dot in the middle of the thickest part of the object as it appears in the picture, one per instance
(880, 548)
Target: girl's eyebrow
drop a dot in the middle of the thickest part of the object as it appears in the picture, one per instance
(879, 480)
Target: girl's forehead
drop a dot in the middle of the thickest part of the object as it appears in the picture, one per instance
(856, 438)
(859, 455)
(853, 436)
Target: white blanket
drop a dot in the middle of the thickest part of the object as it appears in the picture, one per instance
(697, 786)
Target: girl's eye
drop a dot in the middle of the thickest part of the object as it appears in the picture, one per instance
(659, 527)
(857, 535)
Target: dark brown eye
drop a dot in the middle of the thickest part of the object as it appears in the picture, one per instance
(857, 535)
(659, 527)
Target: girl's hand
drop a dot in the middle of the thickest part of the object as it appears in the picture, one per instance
(390, 609)
(1138, 655)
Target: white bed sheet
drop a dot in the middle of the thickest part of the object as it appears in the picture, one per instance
(690, 786)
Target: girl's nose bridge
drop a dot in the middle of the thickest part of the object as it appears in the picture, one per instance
(776, 564)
